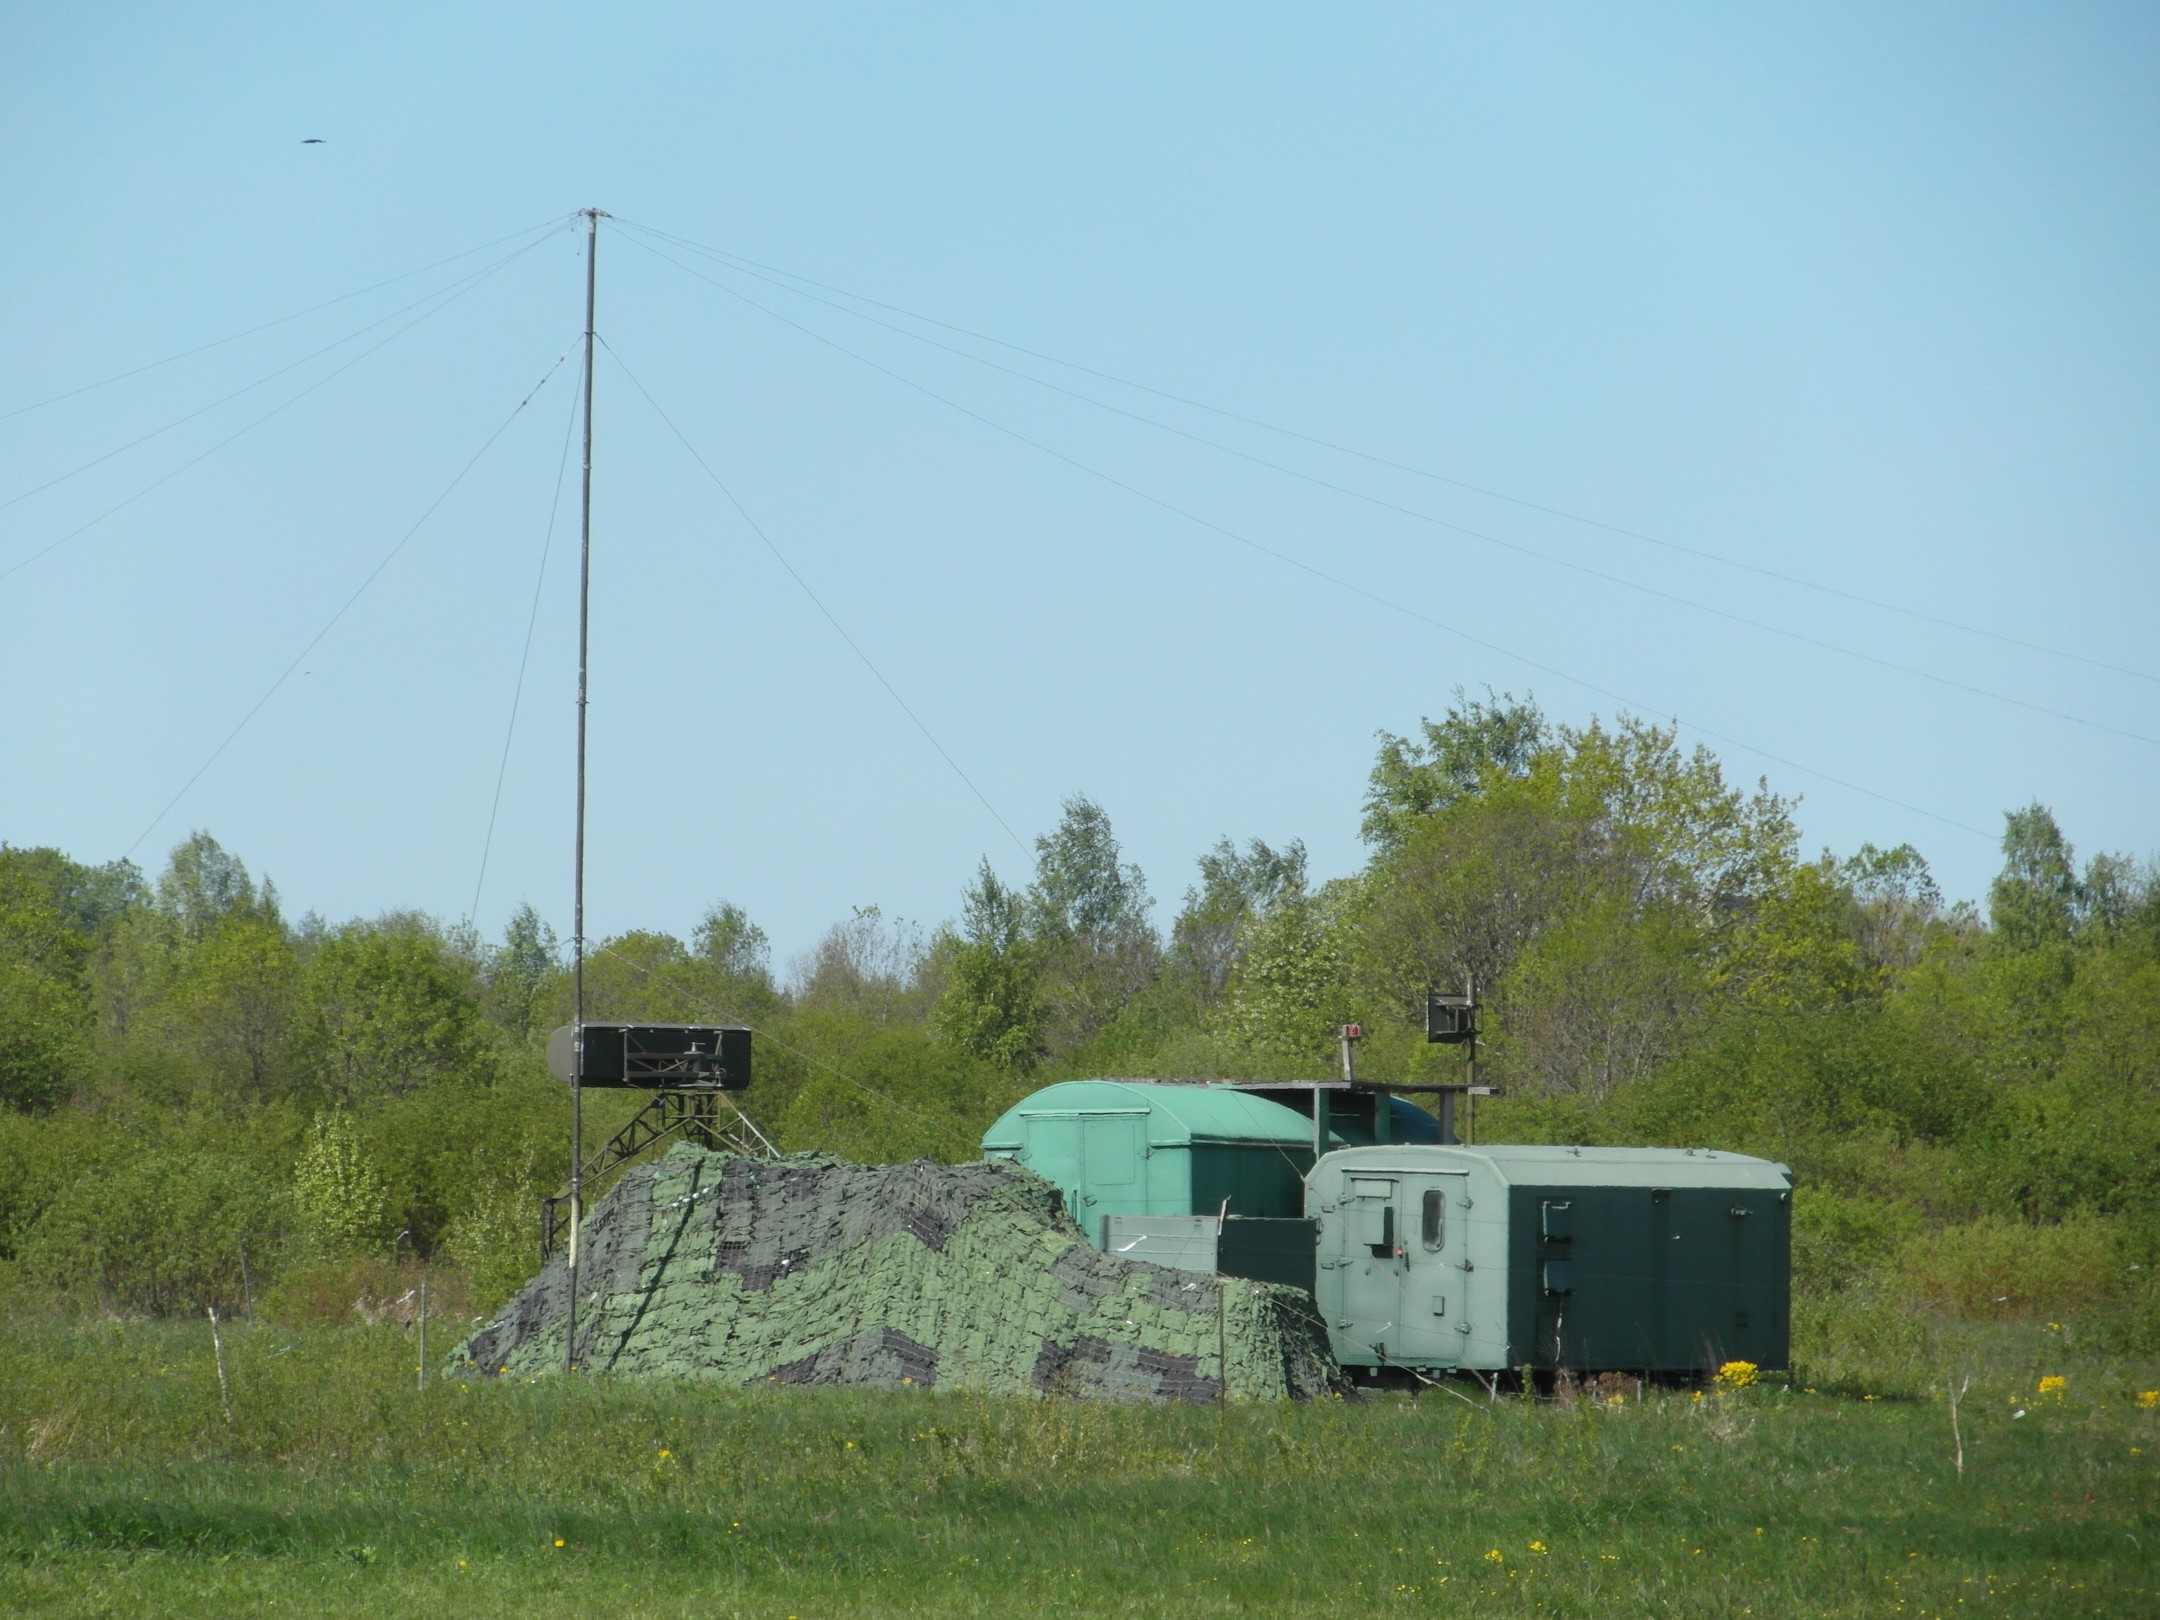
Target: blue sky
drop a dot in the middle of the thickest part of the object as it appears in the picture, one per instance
(1859, 295)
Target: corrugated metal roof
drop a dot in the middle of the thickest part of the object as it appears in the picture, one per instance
(1177, 1115)
(1534, 1166)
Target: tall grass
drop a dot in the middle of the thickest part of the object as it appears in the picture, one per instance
(339, 1487)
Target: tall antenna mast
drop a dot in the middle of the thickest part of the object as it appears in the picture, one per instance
(577, 926)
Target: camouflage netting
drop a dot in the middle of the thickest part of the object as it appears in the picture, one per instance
(811, 1270)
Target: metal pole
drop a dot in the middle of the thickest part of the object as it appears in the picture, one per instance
(1469, 1100)
(217, 1348)
(577, 926)
(1222, 1316)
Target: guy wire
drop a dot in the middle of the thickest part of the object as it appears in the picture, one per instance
(328, 303)
(1336, 580)
(815, 600)
(166, 478)
(1426, 517)
(316, 640)
(748, 266)
(517, 693)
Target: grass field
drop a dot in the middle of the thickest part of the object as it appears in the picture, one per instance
(337, 1488)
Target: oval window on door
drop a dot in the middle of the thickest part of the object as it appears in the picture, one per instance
(1435, 1217)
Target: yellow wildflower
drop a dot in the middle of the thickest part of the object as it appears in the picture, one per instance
(1496, 1556)
(2148, 1399)
(1736, 1374)
(2054, 1384)
(1537, 1546)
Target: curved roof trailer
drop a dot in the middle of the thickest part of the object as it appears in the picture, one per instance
(1582, 1259)
(1162, 1148)
(1117, 1148)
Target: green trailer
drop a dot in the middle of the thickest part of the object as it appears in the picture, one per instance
(1135, 1149)
(1585, 1259)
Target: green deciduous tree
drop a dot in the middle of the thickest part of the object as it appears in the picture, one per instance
(1459, 755)
(736, 958)
(1603, 997)
(131, 975)
(869, 967)
(1585, 881)
(732, 945)
(1235, 888)
(202, 885)
(1087, 915)
(2033, 902)
(1901, 909)
(387, 1011)
(1802, 946)
(989, 1006)
(880, 1094)
(521, 971)
(1290, 990)
(235, 999)
(53, 909)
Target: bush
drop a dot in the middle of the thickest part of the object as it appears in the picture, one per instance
(2010, 1269)
(881, 1095)
(1838, 1239)
(39, 1159)
(496, 1244)
(341, 1201)
(160, 1232)
(1865, 1339)
(41, 1038)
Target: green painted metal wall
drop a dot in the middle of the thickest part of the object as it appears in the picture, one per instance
(1664, 1277)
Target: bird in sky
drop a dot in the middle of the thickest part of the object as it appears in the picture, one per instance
(313, 140)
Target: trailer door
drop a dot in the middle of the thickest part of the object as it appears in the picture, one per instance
(1360, 1248)
(1113, 1167)
(1435, 1246)
(1398, 1247)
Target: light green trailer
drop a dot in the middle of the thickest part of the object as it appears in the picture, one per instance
(1588, 1259)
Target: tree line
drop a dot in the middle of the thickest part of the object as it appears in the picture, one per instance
(200, 1096)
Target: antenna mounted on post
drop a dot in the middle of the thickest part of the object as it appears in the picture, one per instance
(577, 929)
(1451, 1020)
(689, 1068)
